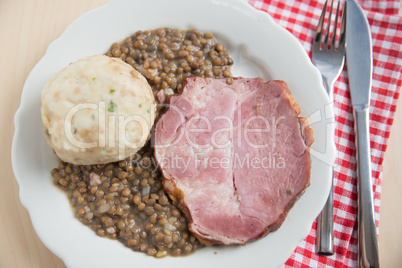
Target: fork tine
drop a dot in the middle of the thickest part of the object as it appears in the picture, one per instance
(342, 35)
(335, 26)
(328, 25)
(320, 26)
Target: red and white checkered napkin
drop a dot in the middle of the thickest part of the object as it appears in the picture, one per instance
(300, 18)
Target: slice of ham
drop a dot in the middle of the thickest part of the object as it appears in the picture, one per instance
(234, 156)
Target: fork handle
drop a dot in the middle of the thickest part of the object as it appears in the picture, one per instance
(329, 87)
(368, 249)
(325, 221)
(325, 228)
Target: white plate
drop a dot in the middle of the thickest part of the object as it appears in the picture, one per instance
(258, 46)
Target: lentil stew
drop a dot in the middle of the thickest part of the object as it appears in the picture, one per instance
(125, 200)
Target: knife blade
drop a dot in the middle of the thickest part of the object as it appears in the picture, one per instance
(360, 64)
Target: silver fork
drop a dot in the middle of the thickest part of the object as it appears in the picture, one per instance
(328, 56)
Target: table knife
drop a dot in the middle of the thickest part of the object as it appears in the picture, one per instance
(359, 64)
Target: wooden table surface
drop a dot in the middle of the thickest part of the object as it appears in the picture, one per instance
(27, 27)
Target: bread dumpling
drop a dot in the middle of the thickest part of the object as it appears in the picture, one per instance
(97, 110)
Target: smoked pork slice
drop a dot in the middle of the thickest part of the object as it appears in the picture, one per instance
(235, 156)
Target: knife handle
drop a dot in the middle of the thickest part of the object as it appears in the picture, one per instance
(367, 248)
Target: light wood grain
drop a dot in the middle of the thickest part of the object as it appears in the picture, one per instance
(27, 27)
(390, 234)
